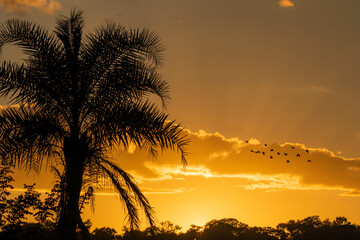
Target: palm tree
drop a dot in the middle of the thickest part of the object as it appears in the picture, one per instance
(75, 99)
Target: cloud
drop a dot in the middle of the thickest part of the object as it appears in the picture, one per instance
(147, 191)
(240, 164)
(26, 6)
(165, 190)
(286, 3)
(351, 194)
(248, 165)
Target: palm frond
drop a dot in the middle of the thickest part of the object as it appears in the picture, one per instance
(125, 196)
(114, 61)
(149, 44)
(38, 82)
(27, 137)
(32, 38)
(141, 123)
(69, 31)
(131, 184)
(23, 85)
(121, 85)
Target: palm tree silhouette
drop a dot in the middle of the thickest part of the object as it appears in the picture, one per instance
(75, 99)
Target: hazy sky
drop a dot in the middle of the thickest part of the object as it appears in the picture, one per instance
(283, 73)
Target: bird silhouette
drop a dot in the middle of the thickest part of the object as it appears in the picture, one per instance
(285, 154)
(247, 141)
(265, 145)
(287, 161)
(292, 147)
(251, 150)
(309, 160)
(263, 153)
(278, 153)
(307, 151)
(271, 157)
(298, 155)
(271, 150)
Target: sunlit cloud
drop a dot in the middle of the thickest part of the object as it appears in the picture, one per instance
(235, 143)
(351, 194)
(165, 190)
(219, 155)
(26, 6)
(288, 182)
(250, 165)
(241, 164)
(148, 191)
(302, 147)
(276, 182)
(286, 3)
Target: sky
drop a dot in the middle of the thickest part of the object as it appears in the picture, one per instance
(242, 74)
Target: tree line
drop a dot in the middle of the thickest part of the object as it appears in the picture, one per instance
(30, 216)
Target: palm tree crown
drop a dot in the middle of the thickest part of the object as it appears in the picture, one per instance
(76, 98)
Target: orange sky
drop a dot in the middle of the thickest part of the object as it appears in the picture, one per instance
(281, 73)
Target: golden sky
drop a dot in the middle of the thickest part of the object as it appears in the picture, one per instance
(282, 73)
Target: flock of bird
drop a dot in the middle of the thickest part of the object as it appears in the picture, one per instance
(272, 153)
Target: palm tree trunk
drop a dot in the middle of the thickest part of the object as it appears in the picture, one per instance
(69, 213)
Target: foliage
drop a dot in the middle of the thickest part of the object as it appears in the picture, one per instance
(311, 228)
(21, 206)
(15, 211)
(5, 187)
(28, 206)
(314, 228)
(104, 233)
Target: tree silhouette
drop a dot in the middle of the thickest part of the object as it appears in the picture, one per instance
(226, 228)
(79, 97)
(192, 233)
(104, 233)
(5, 187)
(313, 228)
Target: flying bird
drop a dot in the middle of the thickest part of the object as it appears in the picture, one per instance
(247, 141)
(285, 154)
(278, 153)
(265, 145)
(263, 153)
(309, 160)
(271, 150)
(287, 161)
(292, 147)
(271, 156)
(298, 155)
(307, 151)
